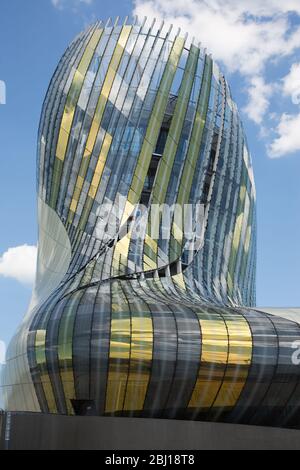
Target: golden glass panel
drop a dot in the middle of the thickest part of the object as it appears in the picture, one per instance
(127, 212)
(119, 352)
(100, 165)
(140, 361)
(40, 346)
(178, 279)
(213, 361)
(62, 144)
(177, 232)
(85, 60)
(48, 391)
(239, 359)
(92, 138)
(152, 243)
(72, 211)
(122, 246)
(65, 352)
(40, 355)
(93, 42)
(149, 263)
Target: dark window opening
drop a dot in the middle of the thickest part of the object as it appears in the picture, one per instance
(84, 407)
(161, 141)
(145, 197)
(149, 180)
(173, 269)
(209, 169)
(148, 275)
(158, 152)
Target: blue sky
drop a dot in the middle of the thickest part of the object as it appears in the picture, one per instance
(257, 45)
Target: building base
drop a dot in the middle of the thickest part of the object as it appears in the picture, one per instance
(35, 431)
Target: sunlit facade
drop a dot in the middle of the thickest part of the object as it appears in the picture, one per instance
(138, 116)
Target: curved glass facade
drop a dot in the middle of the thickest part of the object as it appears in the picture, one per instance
(145, 291)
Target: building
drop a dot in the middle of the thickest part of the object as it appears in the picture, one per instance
(139, 310)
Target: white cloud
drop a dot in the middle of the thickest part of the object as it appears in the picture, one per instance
(259, 94)
(291, 83)
(244, 35)
(288, 136)
(2, 352)
(19, 263)
(61, 4)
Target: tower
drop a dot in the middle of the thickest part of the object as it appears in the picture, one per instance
(144, 303)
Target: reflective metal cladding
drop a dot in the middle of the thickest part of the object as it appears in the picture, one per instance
(145, 288)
